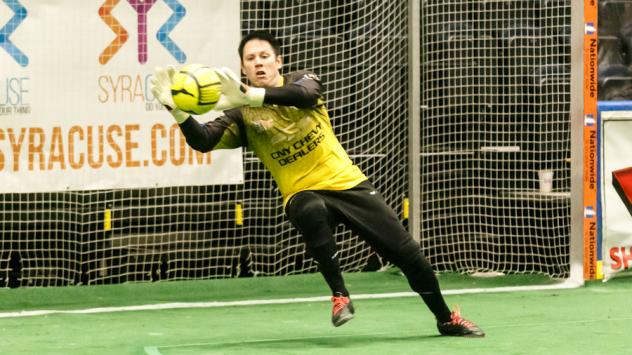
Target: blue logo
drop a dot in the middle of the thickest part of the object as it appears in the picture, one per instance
(589, 28)
(589, 120)
(8, 29)
(589, 212)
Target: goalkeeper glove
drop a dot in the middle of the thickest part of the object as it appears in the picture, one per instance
(235, 93)
(161, 88)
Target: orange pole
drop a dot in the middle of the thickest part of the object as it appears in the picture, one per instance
(591, 140)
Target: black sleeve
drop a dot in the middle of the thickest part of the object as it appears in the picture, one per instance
(302, 89)
(204, 137)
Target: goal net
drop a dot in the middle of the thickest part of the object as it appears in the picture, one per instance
(495, 90)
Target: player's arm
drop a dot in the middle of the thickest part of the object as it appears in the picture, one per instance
(303, 91)
(222, 133)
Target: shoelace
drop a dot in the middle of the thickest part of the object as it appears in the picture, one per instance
(339, 303)
(457, 320)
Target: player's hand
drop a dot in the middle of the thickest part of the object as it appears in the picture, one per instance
(160, 85)
(235, 93)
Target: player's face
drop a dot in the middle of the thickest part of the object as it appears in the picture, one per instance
(260, 64)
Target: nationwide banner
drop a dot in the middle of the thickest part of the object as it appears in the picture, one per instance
(616, 187)
(591, 51)
(76, 111)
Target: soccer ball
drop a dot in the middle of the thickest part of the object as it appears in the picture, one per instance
(196, 89)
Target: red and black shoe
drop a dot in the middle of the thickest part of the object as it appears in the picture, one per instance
(343, 310)
(460, 327)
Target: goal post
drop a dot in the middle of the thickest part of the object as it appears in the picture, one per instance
(450, 107)
(496, 79)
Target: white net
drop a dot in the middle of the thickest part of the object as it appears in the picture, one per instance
(358, 48)
(496, 87)
(116, 236)
(110, 236)
(496, 83)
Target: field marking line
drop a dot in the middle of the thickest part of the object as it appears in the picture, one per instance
(216, 304)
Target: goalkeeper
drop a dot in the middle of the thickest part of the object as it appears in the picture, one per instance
(284, 121)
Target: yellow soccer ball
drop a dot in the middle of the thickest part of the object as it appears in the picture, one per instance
(196, 89)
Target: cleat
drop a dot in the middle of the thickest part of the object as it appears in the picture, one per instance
(460, 327)
(343, 310)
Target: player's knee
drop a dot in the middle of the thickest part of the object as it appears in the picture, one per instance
(307, 206)
(407, 255)
(314, 206)
(309, 214)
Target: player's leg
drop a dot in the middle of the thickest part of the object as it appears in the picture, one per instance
(367, 215)
(309, 213)
(366, 212)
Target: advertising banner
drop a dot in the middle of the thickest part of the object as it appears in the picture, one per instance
(76, 111)
(616, 187)
(591, 262)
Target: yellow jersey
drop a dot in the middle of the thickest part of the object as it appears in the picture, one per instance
(296, 144)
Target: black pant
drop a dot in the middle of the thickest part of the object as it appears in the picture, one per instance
(317, 213)
(362, 209)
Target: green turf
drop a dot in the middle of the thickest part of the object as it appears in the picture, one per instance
(233, 289)
(588, 320)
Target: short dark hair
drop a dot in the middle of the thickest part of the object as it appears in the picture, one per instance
(260, 35)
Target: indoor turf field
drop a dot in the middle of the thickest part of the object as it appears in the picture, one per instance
(290, 315)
